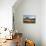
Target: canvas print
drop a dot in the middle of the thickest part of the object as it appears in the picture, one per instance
(29, 19)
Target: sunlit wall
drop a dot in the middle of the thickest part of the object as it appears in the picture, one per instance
(6, 13)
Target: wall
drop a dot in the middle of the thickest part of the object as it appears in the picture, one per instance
(6, 13)
(30, 31)
(43, 22)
